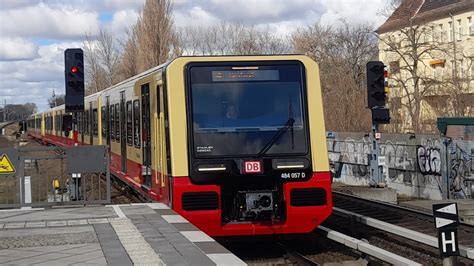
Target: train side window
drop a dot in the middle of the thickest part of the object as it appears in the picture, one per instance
(117, 122)
(103, 122)
(60, 124)
(129, 124)
(95, 123)
(79, 122)
(87, 128)
(136, 123)
(112, 121)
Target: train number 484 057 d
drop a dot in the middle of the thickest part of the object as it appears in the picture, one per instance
(293, 175)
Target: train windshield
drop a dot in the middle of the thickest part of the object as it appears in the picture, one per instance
(239, 111)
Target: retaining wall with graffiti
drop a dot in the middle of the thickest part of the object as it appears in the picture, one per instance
(415, 165)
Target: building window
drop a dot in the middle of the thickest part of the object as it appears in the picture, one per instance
(438, 72)
(136, 123)
(459, 30)
(453, 68)
(129, 124)
(470, 27)
(470, 68)
(441, 33)
(394, 67)
(450, 32)
(432, 33)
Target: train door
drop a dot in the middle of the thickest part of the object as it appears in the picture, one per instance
(123, 133)
(90, 124)
(161, 141)
(146, 135)
(107, 121)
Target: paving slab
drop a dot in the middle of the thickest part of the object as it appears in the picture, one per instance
(147, 233)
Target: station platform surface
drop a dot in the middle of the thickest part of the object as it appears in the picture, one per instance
(144, 233)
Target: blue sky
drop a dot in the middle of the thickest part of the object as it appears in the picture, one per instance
(34, 33)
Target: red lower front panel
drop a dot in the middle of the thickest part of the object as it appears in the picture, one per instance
(298, 219)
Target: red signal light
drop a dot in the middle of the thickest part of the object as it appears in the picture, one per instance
(385, 74)
(74, 70)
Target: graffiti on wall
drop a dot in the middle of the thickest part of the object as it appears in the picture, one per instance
(350, 157)
(461, 172)
(429, 157)
(414, 164)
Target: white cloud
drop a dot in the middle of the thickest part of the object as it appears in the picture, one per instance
(249, 12)
(17, 49)
(34, 80)
(354, 12)
(87, 5)
(29, 72)
(44, 21)
(123, 19)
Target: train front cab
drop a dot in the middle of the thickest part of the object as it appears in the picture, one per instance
(281, 126)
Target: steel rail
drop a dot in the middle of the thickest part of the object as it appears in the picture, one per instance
(467, 252)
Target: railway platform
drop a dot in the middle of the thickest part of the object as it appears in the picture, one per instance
(129, 234)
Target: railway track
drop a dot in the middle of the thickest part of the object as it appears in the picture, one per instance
(397, 228)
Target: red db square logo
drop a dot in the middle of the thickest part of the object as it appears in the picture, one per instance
(252, 167)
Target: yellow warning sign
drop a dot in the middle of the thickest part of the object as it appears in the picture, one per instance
(6, 167)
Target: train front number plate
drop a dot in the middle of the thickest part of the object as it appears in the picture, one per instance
(252, 167)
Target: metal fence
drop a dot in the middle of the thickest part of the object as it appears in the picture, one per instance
(49, 176)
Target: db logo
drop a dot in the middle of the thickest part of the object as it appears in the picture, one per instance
(251, 167)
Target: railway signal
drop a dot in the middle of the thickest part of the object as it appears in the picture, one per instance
(446, 221)
(376, 95)
(375, 84)
(74, 82)
(74, 79)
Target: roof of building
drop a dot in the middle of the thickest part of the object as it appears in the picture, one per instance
(422, 11)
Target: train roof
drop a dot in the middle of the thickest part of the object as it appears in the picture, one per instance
(147, 72)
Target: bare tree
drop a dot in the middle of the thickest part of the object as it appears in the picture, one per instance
(341, 53)
(129, 57)
(407, 52)
(156, 36)
(231, 39)
(95, 76)
(453, 85)
(108, 55)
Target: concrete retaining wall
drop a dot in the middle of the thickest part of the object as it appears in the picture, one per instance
(422, 166)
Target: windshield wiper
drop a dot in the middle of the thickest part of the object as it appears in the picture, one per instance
(288, 125)
(277, 136)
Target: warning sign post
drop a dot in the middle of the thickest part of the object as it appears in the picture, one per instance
(446, 220)
(6, 166)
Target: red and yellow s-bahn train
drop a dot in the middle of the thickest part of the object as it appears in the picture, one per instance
(235, 144)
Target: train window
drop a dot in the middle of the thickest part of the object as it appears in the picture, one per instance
(112, 122)
(87, 128)
(117, 122)
(136, 123)
(95, 123)
(56, 120)
(129, 124)
(227, 107)
(79, 122)
(102, 121)
(60, 124)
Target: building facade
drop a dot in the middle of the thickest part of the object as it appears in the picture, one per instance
(428, 47)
